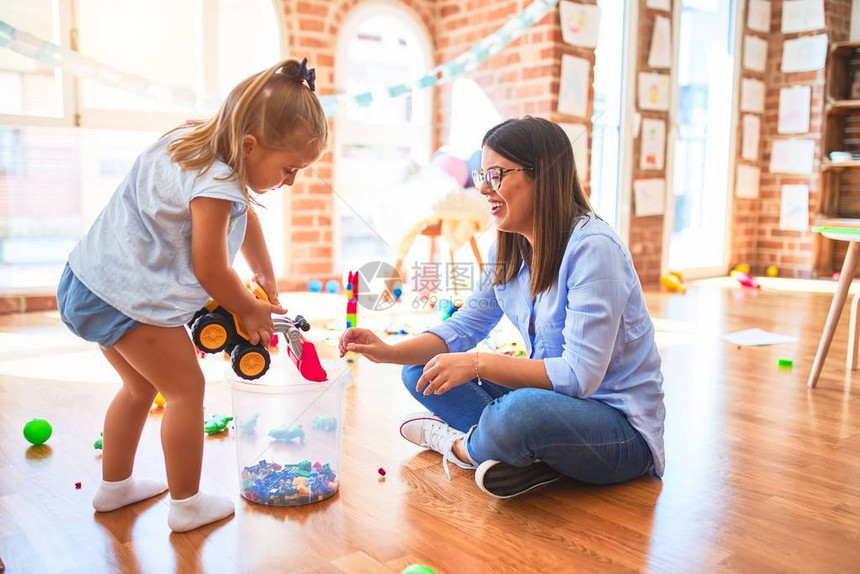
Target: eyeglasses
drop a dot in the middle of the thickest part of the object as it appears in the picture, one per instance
(493, 176)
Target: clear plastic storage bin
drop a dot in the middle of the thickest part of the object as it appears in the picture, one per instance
(289, 433)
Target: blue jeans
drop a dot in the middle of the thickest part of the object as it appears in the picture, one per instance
(584, 439)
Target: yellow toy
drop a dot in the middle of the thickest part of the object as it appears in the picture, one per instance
(159, 400)
(742, 267)
(772, 271)
(674, 282)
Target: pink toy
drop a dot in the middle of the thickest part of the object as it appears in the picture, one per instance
(746, 279)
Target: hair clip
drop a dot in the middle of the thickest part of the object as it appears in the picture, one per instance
(306, 75)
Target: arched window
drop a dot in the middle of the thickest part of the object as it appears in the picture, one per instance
(379, 45)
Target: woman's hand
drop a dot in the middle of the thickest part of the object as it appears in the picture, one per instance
(257, 322)
(365, 342)
(445, 372)
(269, 285)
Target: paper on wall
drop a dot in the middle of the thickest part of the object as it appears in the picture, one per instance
(755, 53)
(660, 55)
(653, 144)
(794, 208)
(578, 135)
(752, 95)
(758, 17)
(792, 156)
(804, 54)
(747, 181)
(573, 91)
(665, 5)
(653, 91)
(580, 24)
(648, 195)
(794, 106)
(750, 137)
(802, 15)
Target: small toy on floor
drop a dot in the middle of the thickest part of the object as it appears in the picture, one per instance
(418, 569)
(285, 433)
(674, 282)
(746, 280)
(99, 444)
(159, 400)
(216, 424)
(772, 271)
(38, 431)
(785, 363)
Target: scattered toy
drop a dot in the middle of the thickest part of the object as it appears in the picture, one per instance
(77, 485)
(772, 271)
(216, 424)
(38, 431)
(99, 444)
(159, 398)
(746, 280)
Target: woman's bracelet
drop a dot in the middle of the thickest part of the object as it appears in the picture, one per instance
(477, 375)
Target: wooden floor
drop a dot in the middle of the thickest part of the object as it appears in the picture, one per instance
(763, 475)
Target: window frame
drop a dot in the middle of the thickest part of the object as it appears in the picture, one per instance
(76, 114)
(351, 131)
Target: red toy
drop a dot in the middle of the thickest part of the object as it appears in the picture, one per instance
(381, 471)
(746, 279)
(78, 485)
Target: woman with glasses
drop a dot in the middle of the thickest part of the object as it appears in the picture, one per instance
(587, 401)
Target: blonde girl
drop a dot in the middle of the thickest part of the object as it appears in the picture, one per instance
(161, 248)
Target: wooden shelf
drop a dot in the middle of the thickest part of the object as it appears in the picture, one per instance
(827, 165)
(821, 221)
(840, 48)
(842, 106)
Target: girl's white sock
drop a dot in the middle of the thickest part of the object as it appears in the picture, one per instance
(198, 510)
(113, 495)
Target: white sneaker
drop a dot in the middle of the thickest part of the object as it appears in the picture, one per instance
(429, 431)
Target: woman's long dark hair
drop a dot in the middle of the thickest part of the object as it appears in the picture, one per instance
(558, 199)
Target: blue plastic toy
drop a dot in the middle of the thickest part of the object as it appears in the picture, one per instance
(315, 286)
(332, 286)
(286, 433)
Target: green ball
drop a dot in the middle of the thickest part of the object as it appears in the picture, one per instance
(37, 431)
(418, 569)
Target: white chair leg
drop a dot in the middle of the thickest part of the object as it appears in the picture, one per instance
(848, 268)
(854, 334)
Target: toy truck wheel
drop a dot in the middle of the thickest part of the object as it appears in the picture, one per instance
(250, 361)
(212, 332)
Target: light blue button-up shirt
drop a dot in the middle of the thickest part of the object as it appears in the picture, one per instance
(592, 328)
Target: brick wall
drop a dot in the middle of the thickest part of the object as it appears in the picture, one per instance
(646, 233)
(757, 238)
(523, 78)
